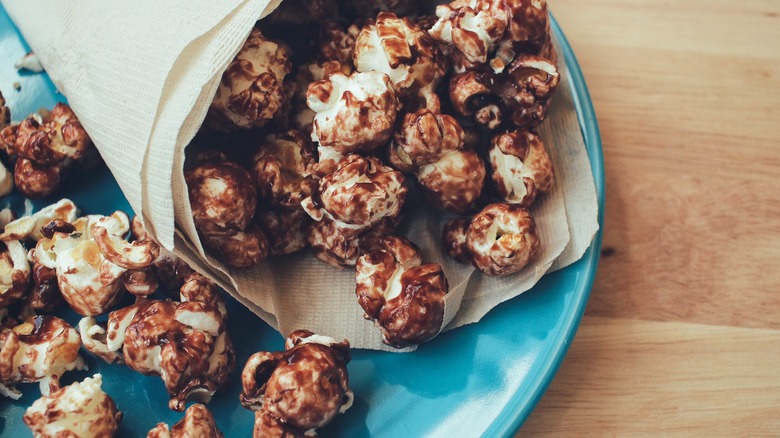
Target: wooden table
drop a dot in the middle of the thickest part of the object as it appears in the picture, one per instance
(682, 332)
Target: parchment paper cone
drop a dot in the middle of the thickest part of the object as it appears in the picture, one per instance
(140, 76)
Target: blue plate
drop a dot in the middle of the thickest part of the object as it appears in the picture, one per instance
(482, 379)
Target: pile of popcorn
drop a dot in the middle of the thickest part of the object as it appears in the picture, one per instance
(369, 101)
(55, 259)
(349, 106)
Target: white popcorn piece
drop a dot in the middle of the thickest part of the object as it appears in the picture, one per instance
(29, 62)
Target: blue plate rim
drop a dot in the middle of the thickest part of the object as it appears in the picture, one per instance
(522, 403)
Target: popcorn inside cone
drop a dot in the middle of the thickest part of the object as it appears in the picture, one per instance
(386, 106)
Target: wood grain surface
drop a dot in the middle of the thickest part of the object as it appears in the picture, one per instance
(682, 332)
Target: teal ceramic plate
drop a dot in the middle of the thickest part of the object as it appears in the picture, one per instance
(479, 380)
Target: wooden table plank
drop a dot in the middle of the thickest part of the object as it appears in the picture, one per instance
(688, 101)
(627, 377)
(682, 333)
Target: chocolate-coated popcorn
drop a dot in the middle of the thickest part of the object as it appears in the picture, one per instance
(401, 295)
(283, 169)
(30, 227)
(405, 53)
(186, 344)
(331, 245)
(198, 422)
(353, 113)
(521, 168)
(44, 293)
(252, 90)
(454, 241)
(80, 409)
(359, 194)
(454, 182)
(50, 140)
(286, 230)
(222, 197)
(338, 43)
(87, 278)
(242, 250)
(34, 180)
(41, 349)
(502, 239)
(300, 389)
(423, 138)
(490, 33)
(14, 272)
(519, 95)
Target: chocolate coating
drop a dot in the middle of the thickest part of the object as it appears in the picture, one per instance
(300, 389)
(222, 197)
(502, 239)
(404, 297)
(521, 168)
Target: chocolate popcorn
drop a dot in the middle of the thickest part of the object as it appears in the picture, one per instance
(34, 180)
(478, 33)
(242, 250)
(455, 182)
(50, 140)
(286, 230)
(519, 95)
(44, 295)
(401, 295)
(300, 389)
(198, 422)
(29, 227)
(331, 245)
(81, 410)
(45, 146)
(90, 261)
(251, 92)
(353, 113)
(186, 344)
(283, 169)
(454, 239)
(502, 239)
(222, 196)
(14, 272)
(41, 349)
(358, 195)
(405, 53)
(521, 168)
(423, 138)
